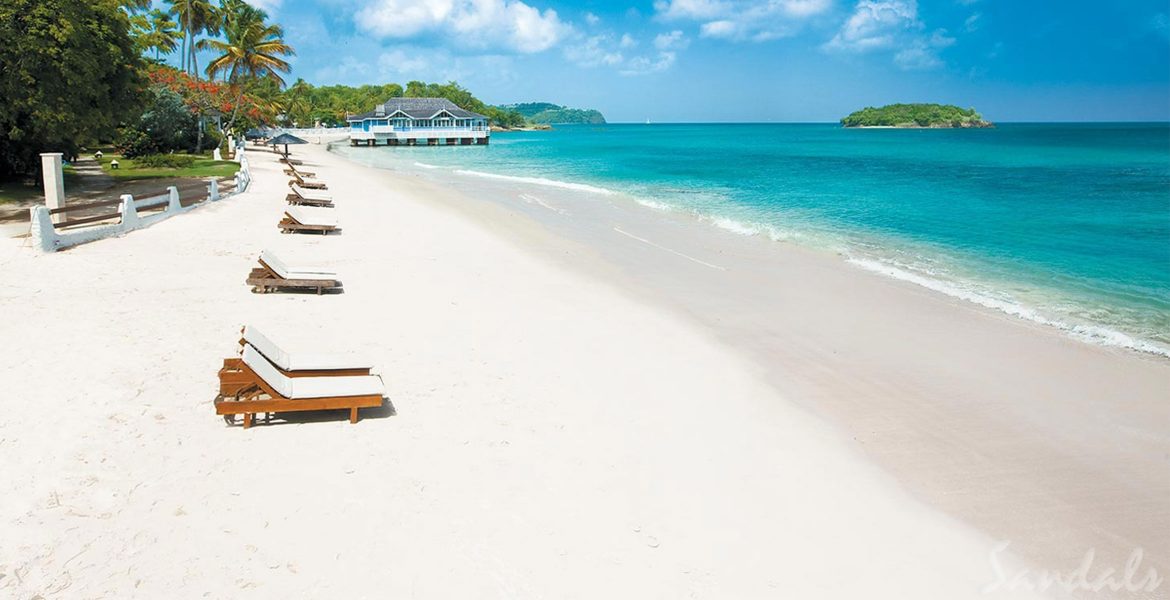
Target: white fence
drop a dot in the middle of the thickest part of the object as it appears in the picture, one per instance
(46, 238)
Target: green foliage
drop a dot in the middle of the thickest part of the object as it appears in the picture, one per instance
(70, 75)
(915, 115)
(528, 109)
(568, 115)
(166, 126)
(554, 114)
(135, 142)
(307, 105)
(186, 165)
(155, 31)
(165, 161)
(504, 118)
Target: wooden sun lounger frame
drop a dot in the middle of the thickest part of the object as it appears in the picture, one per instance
(290, 161)
(243, 392)
(288, 225)
(308, 185)
(295, 198)
(265, 280)
(289, 171)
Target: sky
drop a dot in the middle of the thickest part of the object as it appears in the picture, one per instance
(753, 60)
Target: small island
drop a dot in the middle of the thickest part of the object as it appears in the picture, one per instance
(916, 116)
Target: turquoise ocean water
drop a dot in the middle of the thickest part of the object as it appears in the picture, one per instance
(1064, 224)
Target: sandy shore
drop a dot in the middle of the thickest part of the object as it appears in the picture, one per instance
(554, 431)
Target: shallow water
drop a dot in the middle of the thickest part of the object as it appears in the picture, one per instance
(1063, 224)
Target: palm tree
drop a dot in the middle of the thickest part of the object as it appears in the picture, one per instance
(299, 104)
(194, 17)
(156, 31)
(133, 6)
(252, 49)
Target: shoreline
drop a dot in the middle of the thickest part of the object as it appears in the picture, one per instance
(558, 424)
(1051, 424)
(969, 286)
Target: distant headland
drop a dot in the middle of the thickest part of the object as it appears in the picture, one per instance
(917, 116)
(546, 113)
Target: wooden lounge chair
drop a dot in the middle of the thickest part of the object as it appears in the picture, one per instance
(233, 379)
(301, 219)
(274, 275)
(260, 386)
(300, 180)
(290, 161)
(291, 170)
(306, 197)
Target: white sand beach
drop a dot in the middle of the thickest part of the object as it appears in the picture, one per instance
(567, 419)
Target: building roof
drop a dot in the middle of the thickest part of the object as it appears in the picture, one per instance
(417, 108)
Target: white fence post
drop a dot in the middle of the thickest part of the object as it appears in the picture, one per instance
(129, 213)
(54, 181)
(44, 237)
(173, 205)
(213, 190)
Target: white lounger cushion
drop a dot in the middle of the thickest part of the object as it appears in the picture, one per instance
(311, 194)
(294, 272)
(301, 388)
(302, 361)
(312, 216)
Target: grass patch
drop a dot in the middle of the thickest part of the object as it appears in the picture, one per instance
(200, 165)
(29, 191)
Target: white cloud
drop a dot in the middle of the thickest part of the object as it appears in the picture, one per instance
(891, 25)
(592, 19)
(268, 6)
(973, 22)
(674, 40)
(609, 50)
(644, 65)
(876, 24)
(502, 24)
(740, 20)
(595, 51)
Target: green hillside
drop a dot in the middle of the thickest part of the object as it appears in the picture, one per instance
(916, 115)
(546, 113)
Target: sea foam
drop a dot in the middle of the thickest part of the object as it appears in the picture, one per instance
(565, 185)
(1094, 334)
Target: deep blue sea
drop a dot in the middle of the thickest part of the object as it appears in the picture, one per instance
(1065, 224)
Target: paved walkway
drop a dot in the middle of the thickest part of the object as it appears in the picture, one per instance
(90, 176)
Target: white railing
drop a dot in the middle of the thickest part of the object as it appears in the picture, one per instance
(313, 135)
(303, 131)
(404, 133)
(46, 238)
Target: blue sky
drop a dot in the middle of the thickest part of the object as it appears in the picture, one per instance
(753, 60)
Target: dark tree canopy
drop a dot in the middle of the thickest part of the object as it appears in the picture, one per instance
(69, 75)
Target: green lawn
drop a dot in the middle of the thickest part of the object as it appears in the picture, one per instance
(29, 190)
(204, 167)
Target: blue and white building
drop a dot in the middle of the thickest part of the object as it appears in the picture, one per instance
(418, 121)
